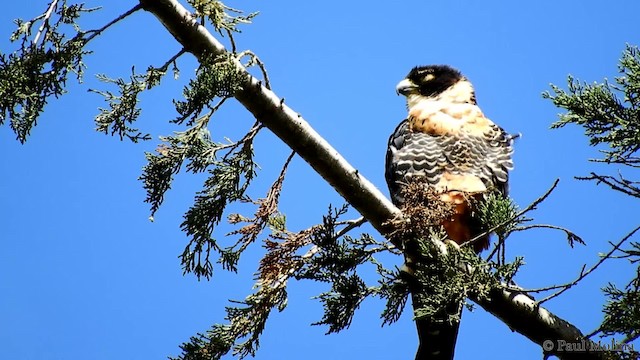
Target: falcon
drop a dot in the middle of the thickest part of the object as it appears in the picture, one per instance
(448, 144)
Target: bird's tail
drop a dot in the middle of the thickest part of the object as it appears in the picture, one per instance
(438, 334)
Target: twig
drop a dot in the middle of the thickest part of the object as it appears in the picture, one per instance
(256, 59)
(45, 21)
(547, 288)
(232, 41)
(593, 333)
(218, 105)
(173, 59)
(628, 161)
(544, 226)
(250, 135)
(526, 210)
(351, 224)
(584, 274)
(622, 185)
(570, 234)
(541, 199)
(501, 241)
(631, 338)
(95, 33)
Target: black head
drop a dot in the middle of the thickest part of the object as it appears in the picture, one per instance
(429, 80)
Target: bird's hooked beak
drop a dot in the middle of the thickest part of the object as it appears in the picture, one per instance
(406, 87)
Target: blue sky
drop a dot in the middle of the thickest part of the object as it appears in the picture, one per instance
(85, 274)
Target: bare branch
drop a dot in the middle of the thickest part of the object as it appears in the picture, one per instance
(173, 59)
(571, 236)
(97, 32)
(351, 224)
(622, 185)
(531, 206)
(629, 339)
(541, 198)
(231, 40)
(631, 161)
(255, 59)
(552, 287)
(516, 309)
(583, 273)
(45, 21)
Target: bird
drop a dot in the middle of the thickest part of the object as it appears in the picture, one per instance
(447, 144)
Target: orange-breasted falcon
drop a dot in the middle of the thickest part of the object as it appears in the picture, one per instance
(448, 143)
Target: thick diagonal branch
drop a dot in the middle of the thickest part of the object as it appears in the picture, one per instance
(522, 314)
(288, 125)
(516, 310)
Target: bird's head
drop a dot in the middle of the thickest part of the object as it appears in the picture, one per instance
(436, 82)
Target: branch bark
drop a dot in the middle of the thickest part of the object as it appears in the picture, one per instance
(517, 310)
(555, 335)
(288, 125)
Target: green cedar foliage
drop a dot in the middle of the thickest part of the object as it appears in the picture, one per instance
(610, 115)
(50, 47)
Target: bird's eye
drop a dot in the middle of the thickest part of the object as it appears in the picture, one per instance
(429, 77)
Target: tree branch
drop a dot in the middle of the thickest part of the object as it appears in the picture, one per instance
(531, 206)
(97, 32)
(584, 273)
(517, 310)
(522, 314)
(45, 23)
(624, 186)
(285, 123)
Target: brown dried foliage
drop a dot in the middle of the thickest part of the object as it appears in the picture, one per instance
(282, 260)
(267, 208)
(421, 211)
